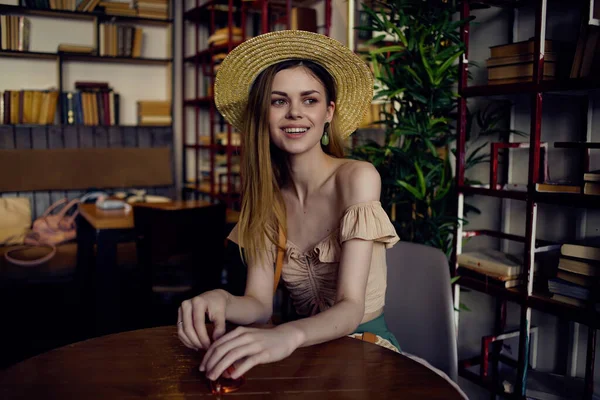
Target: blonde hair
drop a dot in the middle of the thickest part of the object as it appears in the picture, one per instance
(264, 168)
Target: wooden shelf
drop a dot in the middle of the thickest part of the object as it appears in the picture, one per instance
(575, 84)
(217, 147)
(202, 12)
(546, 304)
(82, 125)
(504, 194)
(84, 57)
(478, 4)
(516, 294)
(77, 15)
(204, 188)
(116, 59)
(568, 199)
(564, 199)
(206, 53)
(28, 54)
(199, 102)
(577, 145)
(537, 301)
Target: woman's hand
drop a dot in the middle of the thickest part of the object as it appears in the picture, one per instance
(191, 328)
(247, 347)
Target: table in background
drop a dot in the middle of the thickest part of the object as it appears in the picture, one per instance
(98, 272)
(153, 363)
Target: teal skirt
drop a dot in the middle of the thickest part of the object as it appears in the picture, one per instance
(378, 327)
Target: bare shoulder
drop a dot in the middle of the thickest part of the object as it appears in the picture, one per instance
(358, 182)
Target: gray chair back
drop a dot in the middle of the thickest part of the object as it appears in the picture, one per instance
(418, 304)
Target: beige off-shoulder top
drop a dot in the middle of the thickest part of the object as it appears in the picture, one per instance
(311, 277)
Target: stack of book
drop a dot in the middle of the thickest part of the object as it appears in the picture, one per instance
(87, 5)
(92, 104)
(119, 8)
(591, 182)
(75, 48)
(577, 275)
(513, 62)
(492, 267)
(221, 36)
(15, 32)
(69, 5)
(28, 106)
(120, 40)
(154, 112)
(158, 9)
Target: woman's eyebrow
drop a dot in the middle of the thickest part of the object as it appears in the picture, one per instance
(305, 93)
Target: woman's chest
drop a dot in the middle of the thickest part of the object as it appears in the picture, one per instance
(310, 224)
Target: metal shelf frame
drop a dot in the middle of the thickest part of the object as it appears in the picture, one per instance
(524, 296)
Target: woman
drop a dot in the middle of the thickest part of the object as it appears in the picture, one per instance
(295, 96)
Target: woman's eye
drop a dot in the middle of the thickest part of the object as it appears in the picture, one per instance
(310, 101)
(278, 102)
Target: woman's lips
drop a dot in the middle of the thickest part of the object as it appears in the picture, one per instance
(295, 135)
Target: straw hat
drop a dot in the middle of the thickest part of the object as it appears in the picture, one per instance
(352, 76)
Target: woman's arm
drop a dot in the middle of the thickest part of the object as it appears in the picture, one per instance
(256, 305)
(347, 312)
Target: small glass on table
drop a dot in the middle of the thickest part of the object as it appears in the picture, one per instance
(225, 384)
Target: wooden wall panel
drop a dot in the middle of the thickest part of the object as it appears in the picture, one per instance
(72, 137)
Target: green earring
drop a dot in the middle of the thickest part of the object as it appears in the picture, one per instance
(325, 137)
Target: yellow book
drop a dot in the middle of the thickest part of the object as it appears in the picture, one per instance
(28, 107)
(36, 107)
(14, 107)
(53, 105)
(42, 116)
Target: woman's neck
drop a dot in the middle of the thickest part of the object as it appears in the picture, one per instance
(308, 172)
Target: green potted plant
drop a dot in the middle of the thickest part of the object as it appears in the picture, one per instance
(414, 52)
(416, 46)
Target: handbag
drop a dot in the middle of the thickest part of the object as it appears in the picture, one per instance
(47, 231)
(54, 229)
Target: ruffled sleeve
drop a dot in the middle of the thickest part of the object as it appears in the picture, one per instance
(367, 221)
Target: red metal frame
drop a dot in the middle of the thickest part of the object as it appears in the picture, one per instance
(527, 299)
(494, 155)
(204, 66)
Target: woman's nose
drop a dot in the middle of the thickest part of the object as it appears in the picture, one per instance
(294, 111)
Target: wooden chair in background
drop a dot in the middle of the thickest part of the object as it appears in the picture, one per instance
(180, 251)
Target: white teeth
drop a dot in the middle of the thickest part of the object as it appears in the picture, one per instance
(295, 130)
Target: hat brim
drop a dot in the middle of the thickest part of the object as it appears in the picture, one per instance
(352, 76)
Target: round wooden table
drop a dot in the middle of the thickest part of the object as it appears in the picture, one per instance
(153, 363)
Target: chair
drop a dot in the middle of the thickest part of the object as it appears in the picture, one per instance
(180, 253)
(419, 304)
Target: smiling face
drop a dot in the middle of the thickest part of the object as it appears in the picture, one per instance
(298, 110)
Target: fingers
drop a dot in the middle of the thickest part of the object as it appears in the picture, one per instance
(217, 317)
(198, 314)
(248, 363)
(218, 346)
(188, 324)
(182, 336)
(241, 349)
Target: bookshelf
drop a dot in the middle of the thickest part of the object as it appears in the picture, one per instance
(210, 145)
(532, 295)
(126, 74)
